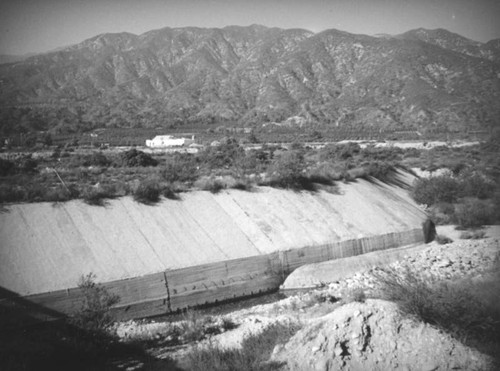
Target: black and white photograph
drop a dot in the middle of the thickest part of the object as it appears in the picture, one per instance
(249, 185)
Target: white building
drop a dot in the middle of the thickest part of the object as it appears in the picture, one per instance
(168, 141)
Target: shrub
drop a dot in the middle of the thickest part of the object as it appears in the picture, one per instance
(7, 167)
(254, 161)
(469, 311)
(193, 326)
(473, 235)
(98, 195)
(181, 168)
(475, 184)
(94, 313)
(474, 213)
(27, 164)
(10, 193)
(211, 183)
(97, 159)
(287, 171)
(148, 192)
(430, 191)
(254, 353)
(378, 170)
(339, 151)
(168, 192)
(60, 193)
(225, 155)
(442, 213)
(135, 158)
(357, 295)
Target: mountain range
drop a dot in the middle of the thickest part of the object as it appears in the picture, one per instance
(420, 80)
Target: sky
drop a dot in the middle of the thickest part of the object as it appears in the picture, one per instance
(33, 26)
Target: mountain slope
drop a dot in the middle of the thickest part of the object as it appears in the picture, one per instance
(423, 80)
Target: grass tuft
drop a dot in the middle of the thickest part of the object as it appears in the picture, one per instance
(467, 310)
(253, 355)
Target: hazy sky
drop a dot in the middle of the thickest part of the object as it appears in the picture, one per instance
(41, 25)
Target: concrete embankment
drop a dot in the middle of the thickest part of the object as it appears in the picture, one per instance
(200, 249)
(315, 275)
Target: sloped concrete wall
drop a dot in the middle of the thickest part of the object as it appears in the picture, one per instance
(134, 248)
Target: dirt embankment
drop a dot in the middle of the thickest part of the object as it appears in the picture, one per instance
(375, 336)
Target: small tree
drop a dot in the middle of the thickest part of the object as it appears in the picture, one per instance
(287, 171)
(436, 189)
(135, 158)
(94, 313)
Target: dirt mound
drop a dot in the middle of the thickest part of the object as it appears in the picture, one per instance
(375, 336)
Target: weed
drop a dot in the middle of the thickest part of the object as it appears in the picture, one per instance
(474, 213)
(11, 194)
(467, 310)
(181, 168)
(7, 167)
(193, 326)
(169, 192)
(148, 192)
(357, 295)
(253, 355)
(94, 313)
(98, 195)
(473, 235)
(211, 183)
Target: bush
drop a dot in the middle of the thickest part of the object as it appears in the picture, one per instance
(10, 193)
(60, 193)
(168, 192)
(97, 159)
(181, 168)
(254, 353)
(287, 171)
(429, 191)
(148, 192)
(7, 167)
(387, 154)
(357, 295)
(223, 156)
(474, 213)
(339, 151)
(135, 158)
(94, 313)
(211, 183)
(254, 161)
(475, 184)
(378, 170)
(469, 311)
(473, 235)
(98, 195)
(442, 213)
(27, 164)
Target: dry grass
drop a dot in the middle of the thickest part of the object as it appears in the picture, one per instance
(468, 310)
(253, 355)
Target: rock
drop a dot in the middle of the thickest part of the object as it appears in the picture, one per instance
(444, 263)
